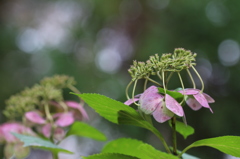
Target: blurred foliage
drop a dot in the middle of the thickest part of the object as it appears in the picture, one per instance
(96, 41)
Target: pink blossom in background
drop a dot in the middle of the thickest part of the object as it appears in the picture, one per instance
(7, 128)
(34, 117)
(59, 134)
(64, 119)
(46, 130)
(81, 114)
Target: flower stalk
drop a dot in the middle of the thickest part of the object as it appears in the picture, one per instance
(174, 135)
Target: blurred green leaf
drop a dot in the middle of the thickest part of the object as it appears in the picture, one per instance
(226, 144)
(40, 143)
(85, 130)
(110, 156)
(135, 148)
(183, 129)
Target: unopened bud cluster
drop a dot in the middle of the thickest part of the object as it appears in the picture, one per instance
(181, 59)
(49, 89)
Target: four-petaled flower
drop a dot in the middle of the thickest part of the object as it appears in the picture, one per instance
(196, 99)
(161, 107)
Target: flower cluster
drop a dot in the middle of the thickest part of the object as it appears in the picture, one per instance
(181, 59)
(41, 108)
(164, 105)
(54, 126)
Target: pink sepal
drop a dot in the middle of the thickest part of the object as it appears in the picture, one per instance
(34, 117)
(173, 105)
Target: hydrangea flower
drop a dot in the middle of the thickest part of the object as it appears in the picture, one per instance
(161, 107)
(61, 119)
(7, 128)
(198, 100)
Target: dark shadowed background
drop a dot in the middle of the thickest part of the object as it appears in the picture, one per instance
(95, 42)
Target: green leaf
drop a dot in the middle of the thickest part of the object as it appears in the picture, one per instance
(227, 144)
(135, 148)
(174, 94)
(183, 129)
(40, 143)
(110, 156)
(128, 118)
(85, 130)
(106, 107)
(118, 113)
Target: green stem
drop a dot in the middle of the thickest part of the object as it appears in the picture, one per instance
(126, 91)
(190, 75)
(169, 77)
(199, 78)
(145, 84)
(174, 135)
(47, 112)
(180, 78)
(155, 131)
(184, 97)
(159, 76)
(185, 150)
(64, 106)
(54, 155)
(133, 92)
(50, 119)
(163, 78)
(153, 81)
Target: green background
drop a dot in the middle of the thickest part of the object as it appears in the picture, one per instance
(95, 41)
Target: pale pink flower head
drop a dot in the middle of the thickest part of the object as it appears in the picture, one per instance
(198, 100)
(7, 128)
(162, 108)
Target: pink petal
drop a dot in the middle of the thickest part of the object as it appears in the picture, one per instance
(130, 101)
(65, 119)
(72, 104)
(189, 91)
(202, 100)
(209, 99)
(34, 117)
(193, 103)
(150, 99)
(76, 105)
(7, 128)
(46, 130)
(160, 114)
(173, 105)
